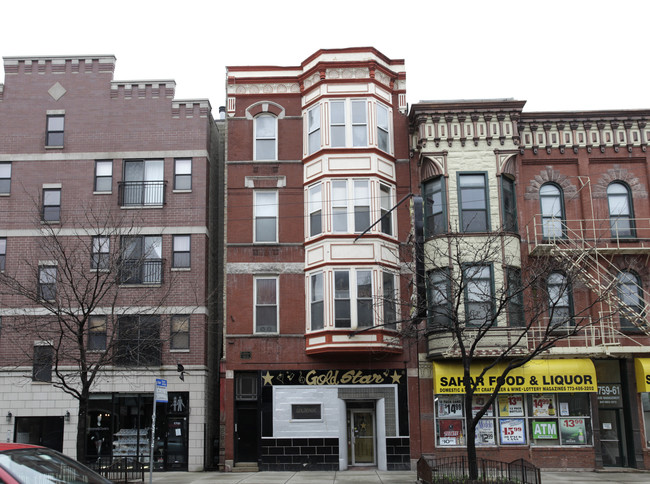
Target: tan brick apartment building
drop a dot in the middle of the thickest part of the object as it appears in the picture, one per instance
(116, 171)
(570, 187)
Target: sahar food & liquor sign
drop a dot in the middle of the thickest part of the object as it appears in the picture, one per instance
(536, 376)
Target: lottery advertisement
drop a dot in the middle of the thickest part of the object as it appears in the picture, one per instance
(573, 431)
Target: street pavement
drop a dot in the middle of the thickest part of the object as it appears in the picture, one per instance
(379, 477)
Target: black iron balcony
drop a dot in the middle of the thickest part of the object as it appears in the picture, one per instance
(142, 193)
(141, 271)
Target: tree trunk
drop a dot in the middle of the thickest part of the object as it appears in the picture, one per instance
(82, 426)
(470, 443)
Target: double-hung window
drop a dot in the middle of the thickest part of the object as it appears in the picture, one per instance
(180, 332)
(351, 205)
(181, 251)
(43, 359)
(100, 253)
(183, 174)
(266, 129)
(5, 178)
(439, 302)
(386, 204)
(631, 297)
(361, 199)
(337, 124)
(3, 252)
(55, 129)
(103, 176)
(435, 213)
(552, 205)
(313, 129)
(315, 209)
(473, 202)
(390, 300)
(316, 297)
(619, 201)
(383, 130)
(47, 276)
(349, 286)
(266, 216)
(51, 205)
(348, 123)
(515, 297)
(479, 300)
(266, 304)
(144, 183)
(359, 123)
(97, 333)
(340, 205)
(508, 203)
(141, 260)
(559, 300)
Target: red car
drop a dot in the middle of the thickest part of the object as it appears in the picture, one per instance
(27, 464)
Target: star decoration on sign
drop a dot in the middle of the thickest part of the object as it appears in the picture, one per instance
(268, 378)
(395, 377)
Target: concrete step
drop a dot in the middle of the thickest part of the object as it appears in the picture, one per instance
(245, 467)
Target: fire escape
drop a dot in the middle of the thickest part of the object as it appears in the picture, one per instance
(586, 248)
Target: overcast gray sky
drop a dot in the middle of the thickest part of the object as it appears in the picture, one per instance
(555, 54)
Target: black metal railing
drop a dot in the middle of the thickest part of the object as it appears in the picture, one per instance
(141, 193)
(455, 469)
(141, 271)
(123, 469)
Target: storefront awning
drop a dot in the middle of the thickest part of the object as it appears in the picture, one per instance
(642, 369)
(536, 376)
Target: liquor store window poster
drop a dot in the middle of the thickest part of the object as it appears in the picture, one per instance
(512, 431)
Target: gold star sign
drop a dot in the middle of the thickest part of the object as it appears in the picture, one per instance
(268, 379)
(396, 377)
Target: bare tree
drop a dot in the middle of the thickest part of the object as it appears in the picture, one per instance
(71, 294)
(495, 309)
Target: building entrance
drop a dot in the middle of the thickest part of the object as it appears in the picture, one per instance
(361, 430)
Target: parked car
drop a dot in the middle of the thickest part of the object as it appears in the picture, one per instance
(28, 464)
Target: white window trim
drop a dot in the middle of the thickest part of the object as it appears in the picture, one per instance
(277, 209)
(277, 303)
(274, 138)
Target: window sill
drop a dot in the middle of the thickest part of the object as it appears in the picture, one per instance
(48, 147)
(181, 269)
(186, 350)
(97, 351)
(36, 382)
(153, 284)
(103, 193)
(100, 270)
(181, 191)
(139, 207)
(5, 194)
(50, 222)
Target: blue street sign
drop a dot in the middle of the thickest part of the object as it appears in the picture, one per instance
(161, 390)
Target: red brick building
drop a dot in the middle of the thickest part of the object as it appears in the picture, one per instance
(569, 188)
(126, 179)
(316, 373)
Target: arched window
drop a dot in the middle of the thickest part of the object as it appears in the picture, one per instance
(266, 127)
(560, 306)
(621, 219)
(631, 296)
(552, 205)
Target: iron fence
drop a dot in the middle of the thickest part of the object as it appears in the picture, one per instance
(455, 469)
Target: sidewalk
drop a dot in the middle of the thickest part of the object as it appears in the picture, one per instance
(378, 477)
